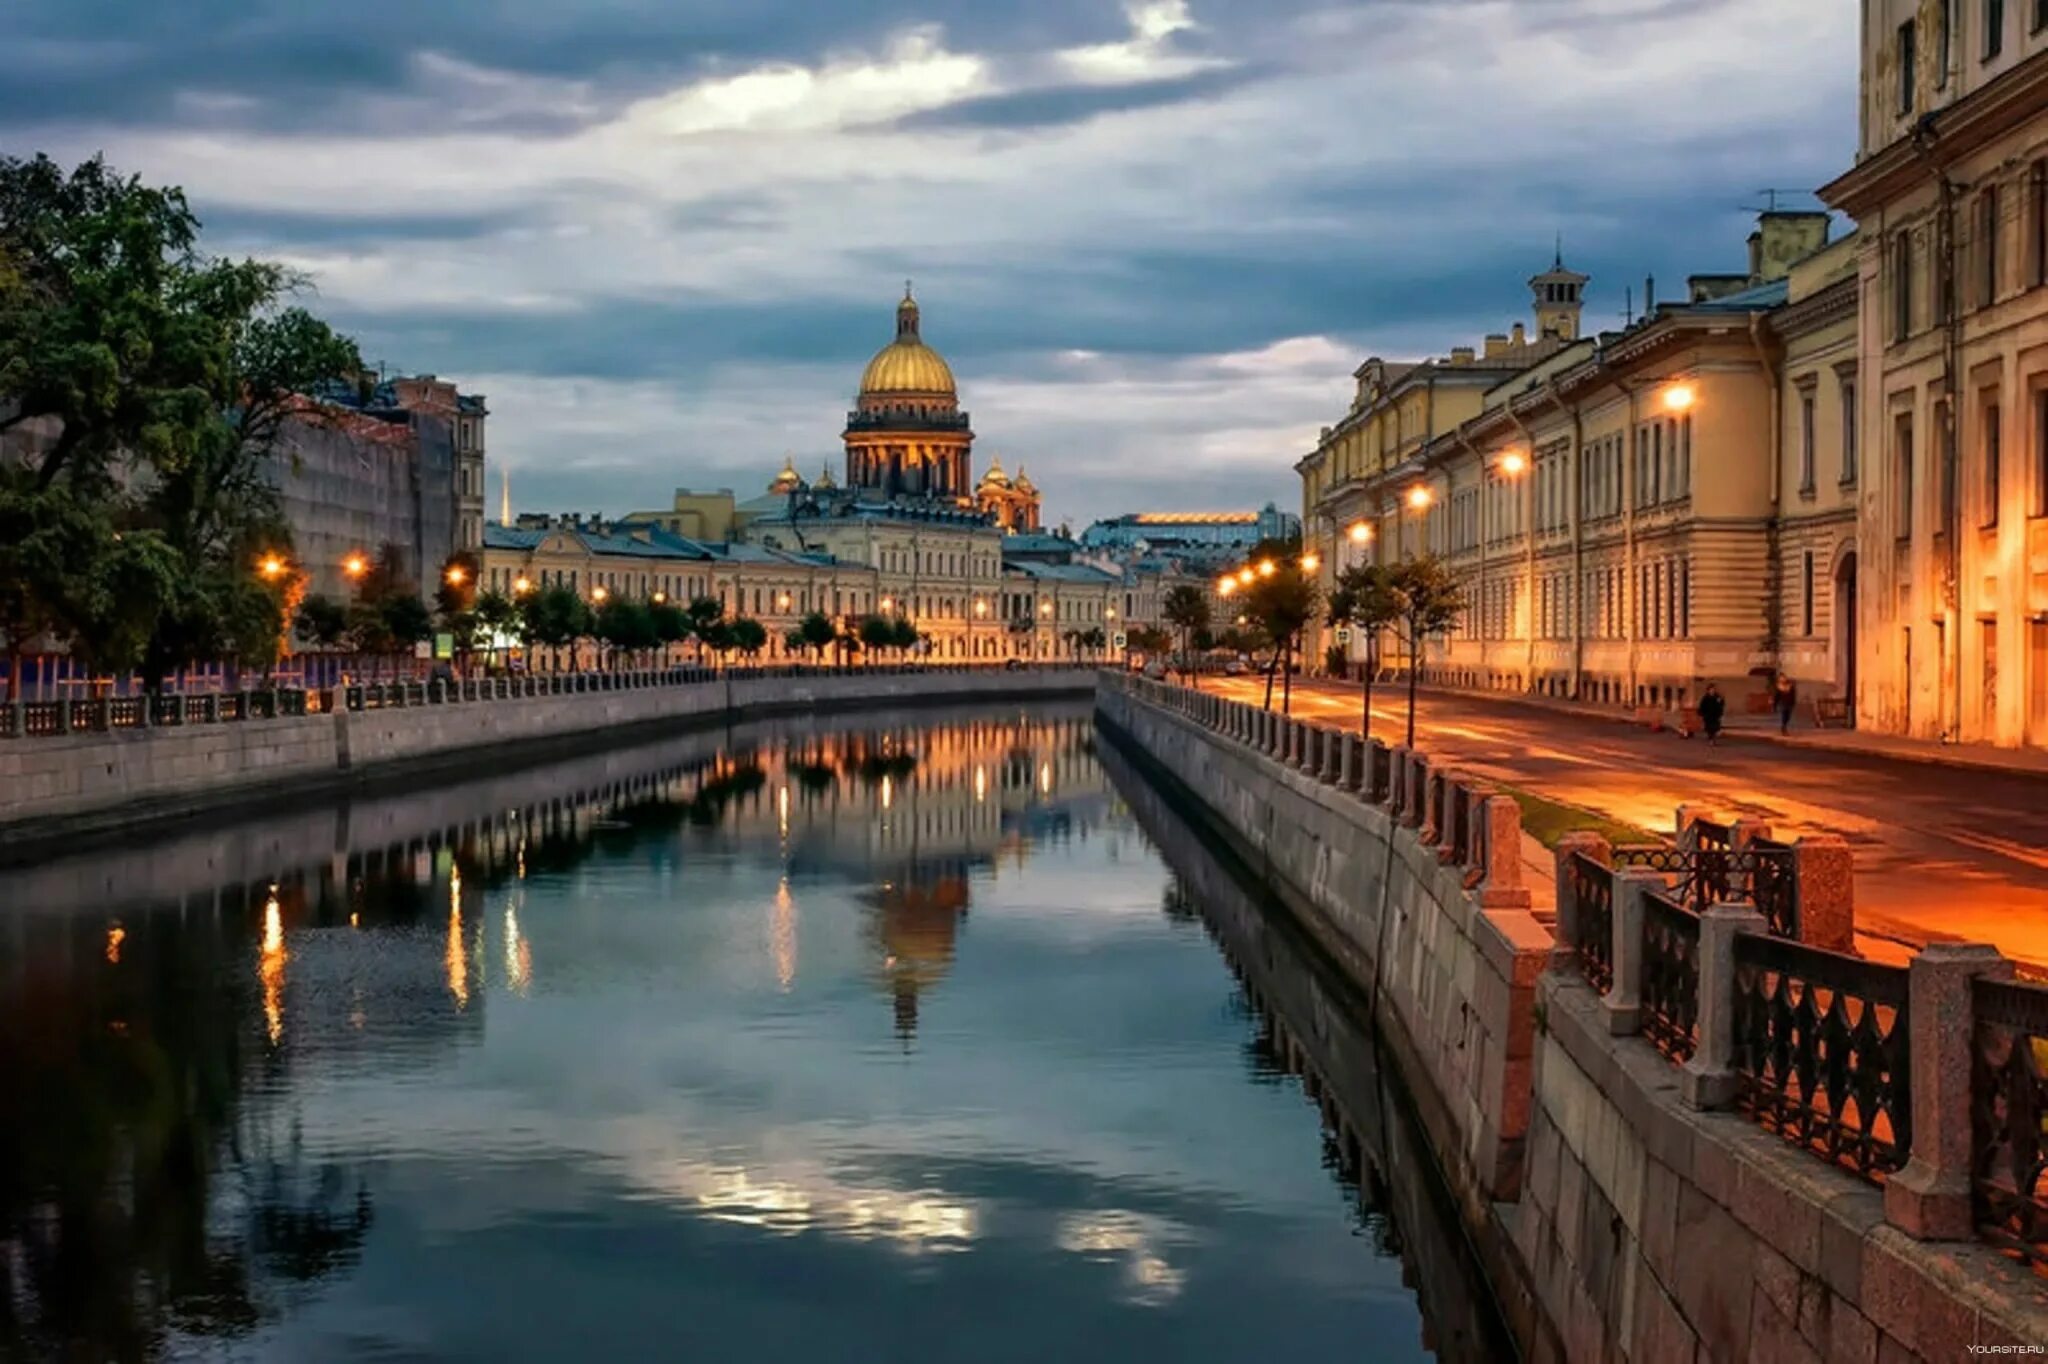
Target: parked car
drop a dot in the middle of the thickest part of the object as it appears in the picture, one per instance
(1236, 667)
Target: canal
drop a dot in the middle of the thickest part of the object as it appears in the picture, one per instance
(892, 1036)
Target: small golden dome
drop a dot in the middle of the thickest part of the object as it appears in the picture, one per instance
(995, 477)
(907, 364)
(789, 480)
(825, 479)
(1024, 484)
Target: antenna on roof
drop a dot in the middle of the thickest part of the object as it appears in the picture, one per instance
(1557, 263)
(1770, 199)
(1628, 306)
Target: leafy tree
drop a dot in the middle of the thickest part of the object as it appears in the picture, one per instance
(1186, 608)
(625, 626)
(1430, 603)
(706, 615)
(1366, 601)
(321, 621)
(877, 632)
(671, 625)
(457, 589)
(903, 635)
(1280, 604)
(749, 636)
(556, 617)
(1148, 640)
(816, 632)
(498, 617)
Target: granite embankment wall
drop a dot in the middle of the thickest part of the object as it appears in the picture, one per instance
(1615, 1220)
(68, 785)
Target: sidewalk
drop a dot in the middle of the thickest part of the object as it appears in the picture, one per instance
(1764, 729)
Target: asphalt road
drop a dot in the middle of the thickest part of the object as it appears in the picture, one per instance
(1942, 853)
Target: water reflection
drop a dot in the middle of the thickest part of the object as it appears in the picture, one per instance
(687, 1050)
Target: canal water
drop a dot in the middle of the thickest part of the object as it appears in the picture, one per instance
(922, 1036)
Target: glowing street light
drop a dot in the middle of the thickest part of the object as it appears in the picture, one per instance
(1310, 563)
(272, 567)
(1513, 463)
(521, 585)
(1418, 497)
(600, 594)
(455, 575)
(1225, 585)
(1679, 398)
(1244, 577)
(782, 601)
(1109, 613)
(1267, 569)
(355, 565)
(980, 607)
(1045, 608)
(888, 603)
(1360, 532)
(660, 597)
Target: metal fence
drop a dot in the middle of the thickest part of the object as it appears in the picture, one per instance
(1671, 976)
(2009, 1116)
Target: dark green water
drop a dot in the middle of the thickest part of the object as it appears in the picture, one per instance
(885, 1038)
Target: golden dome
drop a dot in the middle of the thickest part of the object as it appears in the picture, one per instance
(907, 364)
(995, 477)
(789, 480)
(1024, 483)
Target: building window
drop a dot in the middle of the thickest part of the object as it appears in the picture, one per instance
(1987, 247)
(1806, 594)
(2037, 219)
(2041, 452)
(1908, 65)
(1994, 28)
(1993, 421)
(1902, 476)
(1902, 284)
(1849, 424)
(1806, 440)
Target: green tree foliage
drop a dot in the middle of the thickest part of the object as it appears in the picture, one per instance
(498, 617)
(626, 626)
(1280, 605)
(903, 636)
(877, 633)
(1430, 602)
(321, 621)
(162, 378)
(671, 625)
(1366, 601)
(556, 617)
(748, 636)
(1186, 608)
(707, 617)
(816, 632)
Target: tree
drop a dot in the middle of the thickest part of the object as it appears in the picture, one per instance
(748, 636)
(904, 636)
(1430, 602)
(1280, 604)
(556, 617)
(1366, 601)
(706, 617)
(321, 621)
(1186, 608)
(165, 378)
(497, 617)
(1148, 640)
(877, 633)
(815, 632)
(625, 626)
(671, 626)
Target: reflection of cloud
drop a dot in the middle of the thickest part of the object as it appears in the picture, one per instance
(1149, 1280)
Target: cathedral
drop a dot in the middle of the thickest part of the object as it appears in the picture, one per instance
(907, 438)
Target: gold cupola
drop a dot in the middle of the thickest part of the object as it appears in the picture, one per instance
(907, 365)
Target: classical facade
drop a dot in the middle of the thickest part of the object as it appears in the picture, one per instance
(906, 435)
(1010, 503)
(1950, 190)
(1636, 513)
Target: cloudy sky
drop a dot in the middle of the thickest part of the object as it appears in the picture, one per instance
(1153, 237)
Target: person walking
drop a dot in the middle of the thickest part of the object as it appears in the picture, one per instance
(1712, 707)
(1784, 697)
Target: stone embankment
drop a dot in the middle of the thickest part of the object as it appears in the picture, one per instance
(1677, 1128)
(95, 766)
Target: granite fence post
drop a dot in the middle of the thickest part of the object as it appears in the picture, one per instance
(1415, 806)
(1824, 891)
(1497, 836)
(1624, 1001)
(1930, 1199)
(1564, 952)
(1708, 1080)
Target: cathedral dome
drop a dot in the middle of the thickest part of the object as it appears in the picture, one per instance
(995, 479)
(907, 365)
(789, 480)
(1024, 483)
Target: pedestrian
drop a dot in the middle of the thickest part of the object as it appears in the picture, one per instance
(1712, 707)
(1784, 696)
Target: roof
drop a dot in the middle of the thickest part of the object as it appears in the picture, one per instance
(641, 542)
(1194, 518)
(1758, 298)
(1066, 573)
(1037, 542)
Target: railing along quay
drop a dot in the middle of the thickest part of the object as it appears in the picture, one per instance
(44, 719)
(1928, 1080)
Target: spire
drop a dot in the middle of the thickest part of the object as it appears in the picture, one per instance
(1557, 261)
(504, 497)
(906, 315)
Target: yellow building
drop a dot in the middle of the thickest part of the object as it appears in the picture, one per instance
(1950, 191)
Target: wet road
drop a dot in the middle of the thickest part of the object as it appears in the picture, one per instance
(1941, 853)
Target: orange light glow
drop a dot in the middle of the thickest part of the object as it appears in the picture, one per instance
(1310, 563)
(1513, 463)
(1225, 585)
(115, 936)
(355, 565)
(660, 597)
(1419, 497)
(270, 967)
(1679, 398)
(455, 575)
(1360, 532)
(521, 585)
(599, 594)
(272, 567)
(1268, 569)
(1244, 577)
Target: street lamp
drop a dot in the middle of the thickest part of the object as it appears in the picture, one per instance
(1679, 398)
(1244, 577)
(980, 607)
(782, 602)
(521, 585)
(1513, 463)
(660, 598)
(1267, 568)
(455, 575)
(1225, 585)
(272, 567)
(1360, 533)
(355, 565)
(888, 603)
(1419, 497)
(599, 594)
(1310, 563)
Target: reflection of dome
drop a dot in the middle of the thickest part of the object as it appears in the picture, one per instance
(915, 926)
(995, 478)
(789, 480)
(907, 364)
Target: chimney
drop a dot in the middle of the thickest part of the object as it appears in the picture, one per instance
(1783, 239)
(1649, 295)
(1520, 337)
(1496, 345)
(1461, 357)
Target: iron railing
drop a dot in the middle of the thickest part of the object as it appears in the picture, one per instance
(1671, 976)
(1592, 890)
(1760, 874)
(1821, 1054)
(2008, 1108)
